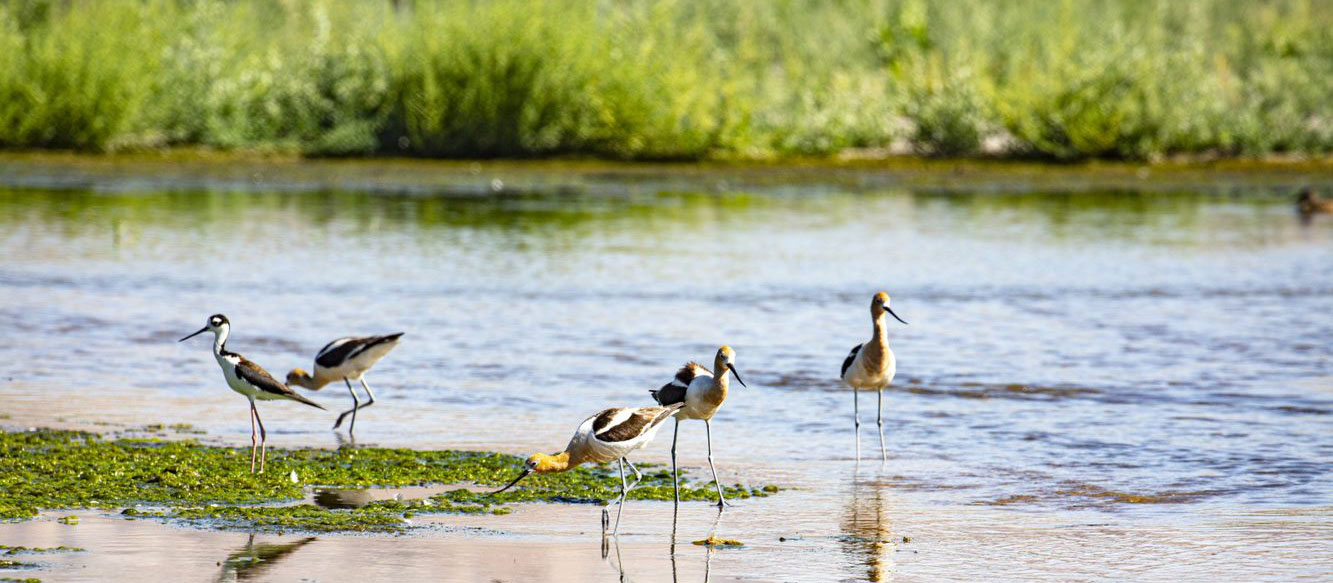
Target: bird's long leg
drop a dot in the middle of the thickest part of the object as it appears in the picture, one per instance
(356, 404)
(263, 438)
(371, 400)
(624, 493)
(879, 421)
(856, 422)
(621, 500)
(638, 477)
(254, 437)
(606, 511)
(675, 471)
(708, 431)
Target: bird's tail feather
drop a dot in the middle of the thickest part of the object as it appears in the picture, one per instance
(295, 396)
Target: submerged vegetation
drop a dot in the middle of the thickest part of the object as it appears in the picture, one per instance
(664, 79)
(201, 484)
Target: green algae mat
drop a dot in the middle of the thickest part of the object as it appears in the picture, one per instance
(212, 487)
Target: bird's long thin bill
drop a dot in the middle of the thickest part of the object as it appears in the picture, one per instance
(738, 375)
(511, 484)
(895, 316)
(201, 331)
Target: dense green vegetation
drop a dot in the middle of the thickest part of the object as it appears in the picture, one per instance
(668, 79)
(204, 485)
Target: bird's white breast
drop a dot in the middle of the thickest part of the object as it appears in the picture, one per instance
(228, 363)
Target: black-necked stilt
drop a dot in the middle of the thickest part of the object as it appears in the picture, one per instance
(248, 379)
(252, 560)
(608, 435)
(870, 367)
(702, 393)
(346, 359)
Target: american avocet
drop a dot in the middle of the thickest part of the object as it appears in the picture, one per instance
(346, 359)
(870, 367)
(608, 435)
(248, 379)
(702, 393)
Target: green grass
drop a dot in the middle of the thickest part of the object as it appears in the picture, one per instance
(668, 79)
(16, 550)
(212, 486)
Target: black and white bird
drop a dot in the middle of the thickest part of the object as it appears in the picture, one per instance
(870, 367)
(1308, 203)
(248, 379)
(346, 359)
(702, 394)
(610, 434)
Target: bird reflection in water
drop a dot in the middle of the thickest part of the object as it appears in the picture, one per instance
(708, 549)
(342, 498)
(868, 530)
(251, 561)
(348, 442)
(608, 542)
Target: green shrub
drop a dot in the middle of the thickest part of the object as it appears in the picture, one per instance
(670, 79)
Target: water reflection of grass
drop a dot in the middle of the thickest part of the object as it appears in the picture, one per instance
(549, 211)
(559, 205)
(1085, 495)
(532, 213)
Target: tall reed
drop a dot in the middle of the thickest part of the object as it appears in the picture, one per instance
(670, 79)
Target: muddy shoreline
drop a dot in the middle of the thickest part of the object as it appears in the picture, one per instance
(231, 171)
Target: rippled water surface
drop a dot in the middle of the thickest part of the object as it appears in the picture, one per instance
(1094, 384)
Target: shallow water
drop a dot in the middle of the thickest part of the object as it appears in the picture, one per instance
(1094, 384)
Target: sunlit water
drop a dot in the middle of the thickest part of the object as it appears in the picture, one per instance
(1116, 385)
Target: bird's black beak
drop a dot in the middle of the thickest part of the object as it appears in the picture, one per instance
(201, 331)
(895, 316)
(525, 473)
(738, 375)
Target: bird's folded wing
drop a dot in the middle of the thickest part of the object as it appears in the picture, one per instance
(616, 425)
(851, 356)
(260, 379)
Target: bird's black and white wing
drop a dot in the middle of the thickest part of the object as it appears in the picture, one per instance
(335, 353)
(674, 391)
(624, 424)
(851, 357)
(259, 378)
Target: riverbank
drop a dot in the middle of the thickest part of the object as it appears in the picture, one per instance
(199, 169)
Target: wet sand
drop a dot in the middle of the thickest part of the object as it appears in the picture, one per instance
(864, 542)
(856, 522)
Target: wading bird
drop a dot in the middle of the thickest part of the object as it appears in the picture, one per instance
(1308, 203)
(609, 435)
(870, 367)
(248, 379)
(346, 359)
(702, 393)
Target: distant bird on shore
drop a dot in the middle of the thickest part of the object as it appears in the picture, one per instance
(1308, 203)
(346, 359)
(248, 379)
(702, 393)
(608, 435)
(870, 367)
